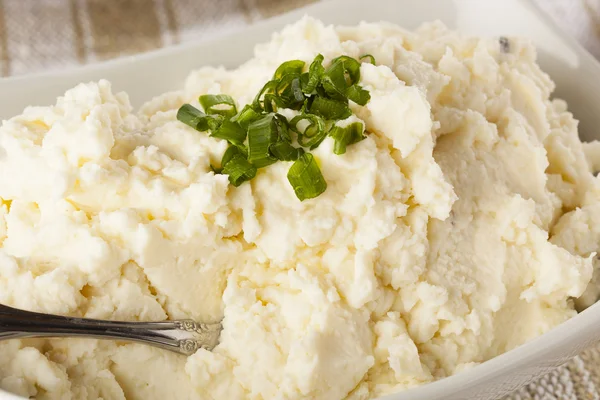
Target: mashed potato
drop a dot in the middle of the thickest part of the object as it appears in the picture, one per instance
(460, 228)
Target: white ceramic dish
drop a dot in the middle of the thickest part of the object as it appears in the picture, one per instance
(574, 70)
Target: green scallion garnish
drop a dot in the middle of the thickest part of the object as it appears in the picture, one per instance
(259, 135)
(358, 95)
(293, 67)
(289, 90)
(330, 109)
(314, 132)
(231, 152)
(270, 86)
(344, 136)
(314, 75)
(246, 116)
(306, 178)
(369, 57)
(239, 170)
(191, 116)
(284, 151)
(219, 104)
(230, 131)
(195, 118)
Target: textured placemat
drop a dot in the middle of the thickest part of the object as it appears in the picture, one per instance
(48, 34)
(40, 35)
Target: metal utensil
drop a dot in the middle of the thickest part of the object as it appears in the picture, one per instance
(180, 336)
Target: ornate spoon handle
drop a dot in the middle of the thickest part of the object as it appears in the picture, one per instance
(181, 336)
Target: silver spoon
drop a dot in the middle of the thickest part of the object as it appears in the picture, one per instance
(181, 336)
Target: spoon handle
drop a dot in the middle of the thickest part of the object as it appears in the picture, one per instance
(180, 336)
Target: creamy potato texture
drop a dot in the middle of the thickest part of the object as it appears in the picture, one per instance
(460, 228)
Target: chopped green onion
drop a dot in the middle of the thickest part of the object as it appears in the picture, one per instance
(369, 56)
(281, 126)
(330, 109)
(289, 67)
(304, 77)
(306, 178)
(297, 90)
(195, 118)
(315, 124)
(289, 91)
(321, 95)
(230, 131)
(307, 104)
(315, 73)
(272, 102)
(351, 68)
(343, 72)
(220, 104)
(313, 134)
(269, 87)
(246, 116)
(239, 170)
(190, 115)
(261, 135)
(213, 122)
(344, 136)
(284, 151)
(231, 152)
(333, 88)
(358, 95)
(347, 67)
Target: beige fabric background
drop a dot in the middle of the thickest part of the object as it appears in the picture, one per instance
(37, 35)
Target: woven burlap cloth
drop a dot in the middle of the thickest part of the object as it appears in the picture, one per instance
(38, 35)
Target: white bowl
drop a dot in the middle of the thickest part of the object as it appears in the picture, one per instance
(575, 71)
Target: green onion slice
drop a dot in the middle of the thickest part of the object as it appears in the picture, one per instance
(315, 73)
(344, 136)
(230, 131)
(281, 126)
(307, 104)
(315, 124)
(239, 170)
(321, 95)
(284, 151)
(330, 109)
(313, 134)
(369, 56)
(343, 72)
(289, 91)
(333, 88)
(190, 115)
(289, 67)
(261, 135)
(213, 122)
(195, 118)
(269, 87)
(306, 178)
(231, 152)
(272, 102)
(246, 116)
(358, 95)
(220, 104)
(350, 67)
